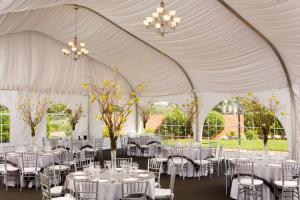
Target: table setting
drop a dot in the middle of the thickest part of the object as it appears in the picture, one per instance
(110, 179)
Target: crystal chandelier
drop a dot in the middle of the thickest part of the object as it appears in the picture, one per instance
(76, 48)
(162, 21)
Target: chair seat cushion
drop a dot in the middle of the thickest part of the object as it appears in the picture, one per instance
(59, 167)
(160, 192)
(201, 162)
(161, 159)
(63, 198)
(292, 184)
(56, 191)
(248, 181)
(31, 169)
(91, 150)
(9, 168)
(214, 159)
(179, 161)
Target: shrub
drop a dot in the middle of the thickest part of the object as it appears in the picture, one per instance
(149, 130)
(211, 120)
(5, 137)
(251, 135)
(231, 134)
(176, 122)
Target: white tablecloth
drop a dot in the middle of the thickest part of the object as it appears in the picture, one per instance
(267, 171)
(189, 152)
(108, 190)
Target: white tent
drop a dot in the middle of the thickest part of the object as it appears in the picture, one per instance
(220, 49)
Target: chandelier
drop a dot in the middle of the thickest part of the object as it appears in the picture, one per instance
(162, 21)
(75, 48)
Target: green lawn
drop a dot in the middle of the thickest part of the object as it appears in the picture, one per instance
(274, 145)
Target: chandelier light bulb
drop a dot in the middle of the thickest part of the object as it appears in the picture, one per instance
(159, 9)
(154, 15)
(82, 44)
(166, 17)
(157, 25)
(173, 24)
(149, 19)
(74, 48)
(177, 19)
(172, 12)
(146, 22)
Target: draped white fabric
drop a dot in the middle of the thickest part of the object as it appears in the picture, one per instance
(222, 57)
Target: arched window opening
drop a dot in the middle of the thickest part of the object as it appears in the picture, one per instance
(4, 124)
(230, 124)
(58, 125)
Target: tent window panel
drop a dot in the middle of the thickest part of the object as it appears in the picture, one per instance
(4, 124)
(58, 125)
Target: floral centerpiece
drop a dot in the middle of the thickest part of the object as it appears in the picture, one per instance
(74, 115)
(32, 109)
(145, 112)
(263, 116)
(114, 107)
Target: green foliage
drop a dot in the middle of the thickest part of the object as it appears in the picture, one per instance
(210, 128)
(149, 130)
(231, 134)
(4, 137)
(57, 120)
(5, 124)
(251, 135)
(176, 122)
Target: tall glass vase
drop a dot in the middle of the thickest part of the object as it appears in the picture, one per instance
(113, 152)
(266, 152)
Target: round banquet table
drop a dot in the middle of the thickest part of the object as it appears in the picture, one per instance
(192, 153)
(111, 188)
(44, 158)
(266, 170)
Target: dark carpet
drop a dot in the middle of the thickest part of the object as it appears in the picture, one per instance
(190, 188)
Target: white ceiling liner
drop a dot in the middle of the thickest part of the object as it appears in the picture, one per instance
(25, 64)
(279, 21)
(218, 52)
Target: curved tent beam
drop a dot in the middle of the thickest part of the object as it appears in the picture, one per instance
(278, 55)
(144, 42)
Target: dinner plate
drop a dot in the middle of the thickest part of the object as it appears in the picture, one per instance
(139, 171)
(143, 175)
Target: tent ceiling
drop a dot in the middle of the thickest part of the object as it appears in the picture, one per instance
(218, 52)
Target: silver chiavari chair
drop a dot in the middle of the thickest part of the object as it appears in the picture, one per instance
(167, 193)
(204, 163)
(155, 167)
(228, 172)
(247, 184)
(217, 160)
(179, 161)
(289, 183)
(86, 189)
(54, 179)
(46, 189)
(7, 171)
(29, 168)
(136, 190)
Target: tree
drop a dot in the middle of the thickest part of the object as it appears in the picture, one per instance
(263, 116)
(214, 124)
(145, 112)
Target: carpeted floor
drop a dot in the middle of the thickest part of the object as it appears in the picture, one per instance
(188, 189)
